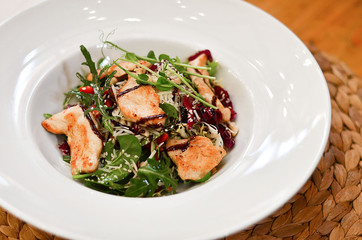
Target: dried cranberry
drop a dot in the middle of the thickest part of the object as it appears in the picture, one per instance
(154, 67)
(224, 98)
(64, 147)
(226, 136)
(183, 113)
(233, 114)
(209, 115)
(206, 51)
(188, 102)
(191, 118)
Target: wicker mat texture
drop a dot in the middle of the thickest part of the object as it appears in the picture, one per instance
(329, 205)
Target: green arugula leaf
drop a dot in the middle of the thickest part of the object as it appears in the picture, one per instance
(47, 115)
(139, 188)
(213, 68)
(108, 148)
(146, 183)
(115, 190)
(89, 62)
(203, 179)
(66, 158)
(171, 113)
(119, 167)
(130, 147)
(96, 83)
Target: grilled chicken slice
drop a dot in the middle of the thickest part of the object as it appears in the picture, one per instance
(204, 87)
(119, 72)
(83, 138)
(140, 104)
(128, 66)
(194, 157)
(141, 70)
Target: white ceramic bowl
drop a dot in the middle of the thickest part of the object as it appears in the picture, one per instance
(276, 86)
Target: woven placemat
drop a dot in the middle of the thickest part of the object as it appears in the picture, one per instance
(329, 205)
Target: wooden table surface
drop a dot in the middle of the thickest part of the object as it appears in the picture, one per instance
(334, 26)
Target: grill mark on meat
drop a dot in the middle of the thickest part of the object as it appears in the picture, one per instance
(158, 116)
(128, 90)
(92, 124)
(182, 146)
(214, 99)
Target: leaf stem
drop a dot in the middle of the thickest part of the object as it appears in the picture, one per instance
(192, 66)
(199, 75)
(116, 46)
(197, 96)
(142, 66)
(134, 76)
(192, 95)
(182, 78)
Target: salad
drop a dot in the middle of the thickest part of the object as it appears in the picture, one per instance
(140, 126)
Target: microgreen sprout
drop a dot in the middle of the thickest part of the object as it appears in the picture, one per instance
(154, 60)
(163, 83)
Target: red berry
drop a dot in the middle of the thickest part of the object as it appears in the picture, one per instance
(86, 89)
(162, 138)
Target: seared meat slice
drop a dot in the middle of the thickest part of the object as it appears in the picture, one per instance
(194, 157)
(119, 72)
(140, 104)
(204, 87)
(128, 66)
(83, 138)
(141, 70)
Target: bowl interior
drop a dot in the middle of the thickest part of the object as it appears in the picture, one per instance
(48, 96)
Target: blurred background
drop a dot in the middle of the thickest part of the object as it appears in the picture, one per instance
(334, 26)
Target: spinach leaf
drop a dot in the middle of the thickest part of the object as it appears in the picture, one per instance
(171, 113)
(47, 115)
(146, 183)
(213, 66)
(117, 168)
